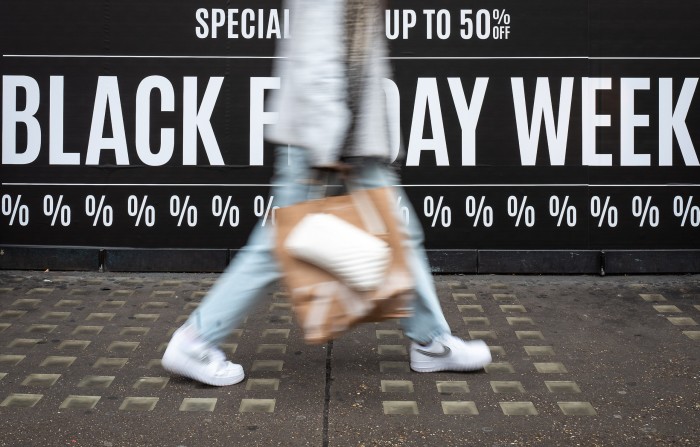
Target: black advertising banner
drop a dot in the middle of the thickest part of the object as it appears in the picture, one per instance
(541, 125)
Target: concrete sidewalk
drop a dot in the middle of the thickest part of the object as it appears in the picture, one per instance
(589, 361)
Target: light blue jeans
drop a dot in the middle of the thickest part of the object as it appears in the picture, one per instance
(254, 268)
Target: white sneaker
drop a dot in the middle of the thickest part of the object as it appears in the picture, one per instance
(449, 353)
(190, 357)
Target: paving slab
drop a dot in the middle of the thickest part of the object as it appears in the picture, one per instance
(578, 360)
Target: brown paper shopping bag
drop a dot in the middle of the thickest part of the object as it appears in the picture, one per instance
(327, 304)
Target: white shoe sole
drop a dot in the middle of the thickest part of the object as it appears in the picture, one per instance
(476, 362)
(178, 363)
(474, 365)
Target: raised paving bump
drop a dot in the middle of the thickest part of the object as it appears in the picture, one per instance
(515, 321)
(40, 291)
(87, 330)
(100, 316)
(402, 408)
(96, 382)
(471, 308)
(577, 408)
(257, 406)
(276, 333)
(270, 349)
(529, 335)
(550, 368)
(60, 316)
(262, 384)
(383, 334)
(497, 350)
(397, 386)
(27, 303)
(562, 386)
(389, 350)
(68, 303)
(198, 404)
(107, 362)
(512, 308)
(500, 367)
(10, 359)
(534, 351)
(58, 361)
(151, 383)
(147, 317)
(41, 380)
(666, 309)
(74, 402)
(463, 297)
(139, 404)
(12, 314)
(518, 408)
(476, 321)
(20, 400)
(111, 304)
(483, 335)
(24, 343)
(507, 387)
(682, 321)
(394, 367)
(652, 297)
(267, 365)
(452, 386)
(467, 408)
(504, 297)
(134, 330)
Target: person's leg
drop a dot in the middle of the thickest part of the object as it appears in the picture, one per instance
(433, 347)
(192, 351)
(255, 267)
(427, 321)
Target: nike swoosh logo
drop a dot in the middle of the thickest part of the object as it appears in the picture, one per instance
(446, 352)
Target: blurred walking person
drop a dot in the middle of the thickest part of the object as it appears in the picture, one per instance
(332, 112)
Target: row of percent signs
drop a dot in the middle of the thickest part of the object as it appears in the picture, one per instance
(142, 211)
(185, 213)
(521, 213)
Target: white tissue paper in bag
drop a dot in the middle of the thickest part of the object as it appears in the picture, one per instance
(358, 258)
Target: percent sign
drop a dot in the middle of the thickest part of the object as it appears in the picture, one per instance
(56, 209)
(500, 16)
(403, 210)
(519, 210)
(219, 209)
(180, 209)
(604, 211)
(93, 209)
(15, 210)
(439, 211)
(148, 212)
(480, 213)
(561, 210)
(266, 211)
(641, 209)
(681, 208)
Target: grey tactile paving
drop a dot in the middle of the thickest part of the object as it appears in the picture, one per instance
(553, 342)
